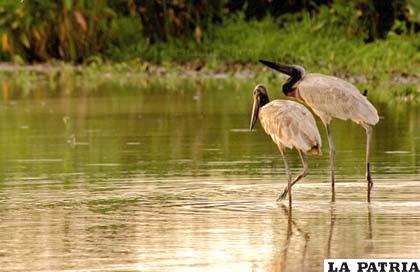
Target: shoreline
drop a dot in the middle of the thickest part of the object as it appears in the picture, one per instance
(190, 70)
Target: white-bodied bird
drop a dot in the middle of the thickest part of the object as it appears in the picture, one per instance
(330, 97)
(290, 125)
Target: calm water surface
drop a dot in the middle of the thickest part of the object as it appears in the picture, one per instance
(140, 179)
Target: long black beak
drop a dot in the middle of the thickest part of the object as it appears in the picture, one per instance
(282, 68)
(255, 110)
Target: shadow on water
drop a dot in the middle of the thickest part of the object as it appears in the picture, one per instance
(129, 178)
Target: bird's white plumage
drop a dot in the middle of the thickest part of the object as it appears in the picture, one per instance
(290, 125)
(331, 97)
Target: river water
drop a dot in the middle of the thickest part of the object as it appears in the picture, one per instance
(126, 178)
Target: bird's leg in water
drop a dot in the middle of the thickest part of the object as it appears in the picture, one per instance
(302, 175)
(289, 177)
(368, 177)
(332, 160)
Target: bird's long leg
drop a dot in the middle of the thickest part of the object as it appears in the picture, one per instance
(332, 159)
(368, 176)
(300, 176)
(289, 177)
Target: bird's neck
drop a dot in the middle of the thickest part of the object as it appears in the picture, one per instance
(264, 100)
(290, 86)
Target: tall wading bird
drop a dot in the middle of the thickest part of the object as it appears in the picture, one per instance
(330, 97)
(290, 125)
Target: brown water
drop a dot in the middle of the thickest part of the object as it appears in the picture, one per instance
(140, 179)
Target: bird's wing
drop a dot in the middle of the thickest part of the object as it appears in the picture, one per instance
(333, 97)
(290, 124)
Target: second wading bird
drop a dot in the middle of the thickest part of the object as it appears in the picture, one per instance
(290, 125)
(330, 97)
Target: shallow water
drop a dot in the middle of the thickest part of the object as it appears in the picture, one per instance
(137, 179)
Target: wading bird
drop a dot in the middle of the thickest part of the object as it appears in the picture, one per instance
(330, 97)
(290, 125)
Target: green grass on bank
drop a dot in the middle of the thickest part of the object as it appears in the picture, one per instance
(318, 43)
(389, 69)
(68, 81)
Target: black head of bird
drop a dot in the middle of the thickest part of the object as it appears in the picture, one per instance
(295, 73)
(260, 99)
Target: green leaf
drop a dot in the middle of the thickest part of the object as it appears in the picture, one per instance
(68, 4)
(18, 59)
(15, 24)
(24, 40)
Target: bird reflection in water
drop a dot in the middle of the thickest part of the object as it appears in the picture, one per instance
(331, 230)
(293, 250)
(369, 239)
(293, 230)
(369, 247)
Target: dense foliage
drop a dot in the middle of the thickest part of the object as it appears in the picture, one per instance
(71, 30)
(76, 30)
